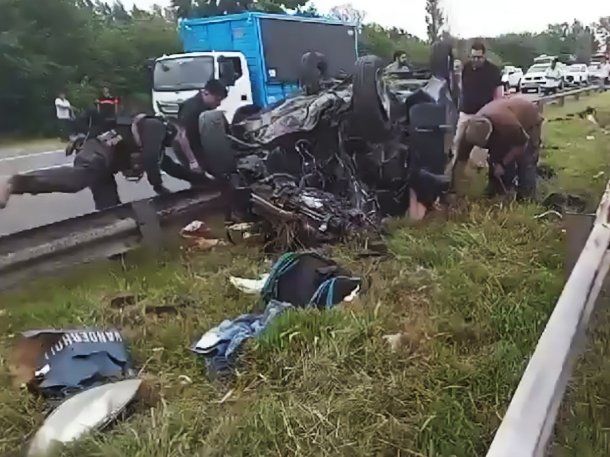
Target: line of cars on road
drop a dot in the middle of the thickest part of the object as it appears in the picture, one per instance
(542, 78)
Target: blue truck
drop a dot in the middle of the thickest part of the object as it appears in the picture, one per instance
(257, 54)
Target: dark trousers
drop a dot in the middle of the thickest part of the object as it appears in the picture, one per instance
(524, 169)
(64, 127)
(92, 168)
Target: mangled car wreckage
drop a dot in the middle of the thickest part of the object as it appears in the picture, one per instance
(342, 155)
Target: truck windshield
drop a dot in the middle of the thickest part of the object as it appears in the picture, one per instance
(183, 73)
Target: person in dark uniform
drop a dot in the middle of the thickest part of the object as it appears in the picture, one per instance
(135, 146)
(510, 130)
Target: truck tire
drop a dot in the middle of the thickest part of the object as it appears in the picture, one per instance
(370, 100)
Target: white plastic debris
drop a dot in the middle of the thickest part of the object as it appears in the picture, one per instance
(196, 228)
(353, 296)
(592, 119)
(312, 202)
(81, 414)
(549, 213)
(590, 138)
(249, 286)
(395, 341)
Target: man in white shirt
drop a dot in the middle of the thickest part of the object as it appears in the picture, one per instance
(64, 116)
(553, 77)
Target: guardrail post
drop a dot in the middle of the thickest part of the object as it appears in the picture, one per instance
(148, 223)
(561, 101)
(577, 96)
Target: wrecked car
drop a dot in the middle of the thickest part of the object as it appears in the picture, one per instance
(336, 160)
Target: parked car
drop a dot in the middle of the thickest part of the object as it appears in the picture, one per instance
(535, 78)
(511, 77)
(578, 75)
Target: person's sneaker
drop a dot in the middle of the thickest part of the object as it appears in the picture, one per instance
(6, 189)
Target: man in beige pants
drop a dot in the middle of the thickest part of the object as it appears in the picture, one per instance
(481, 83)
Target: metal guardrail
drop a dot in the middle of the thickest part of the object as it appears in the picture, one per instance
(99, 235)
(560, 97)
(528, 424)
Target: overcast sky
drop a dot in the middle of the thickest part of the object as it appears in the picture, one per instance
(467, 18)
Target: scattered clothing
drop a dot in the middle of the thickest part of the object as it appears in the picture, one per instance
(219, 346)
(309, 280)
(297, 280)
(69, 361)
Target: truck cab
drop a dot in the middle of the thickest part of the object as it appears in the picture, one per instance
(178, 77)
(256, 55)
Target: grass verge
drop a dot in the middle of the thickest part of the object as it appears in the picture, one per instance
(469, 292)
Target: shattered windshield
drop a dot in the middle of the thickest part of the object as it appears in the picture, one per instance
(184, 73)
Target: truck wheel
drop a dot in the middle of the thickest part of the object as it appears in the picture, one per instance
(370, 100)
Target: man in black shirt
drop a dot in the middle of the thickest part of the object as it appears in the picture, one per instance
(481, 84)
(189, 138)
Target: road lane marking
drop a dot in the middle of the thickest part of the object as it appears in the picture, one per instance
(28, 156)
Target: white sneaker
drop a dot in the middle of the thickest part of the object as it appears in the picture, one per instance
(6, 189)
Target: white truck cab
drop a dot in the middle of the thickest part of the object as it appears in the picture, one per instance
(178, 77)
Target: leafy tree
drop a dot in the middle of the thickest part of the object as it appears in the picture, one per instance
(374, 39)
(435, 19)
(206, 8)
(347, 13)
(48, 46)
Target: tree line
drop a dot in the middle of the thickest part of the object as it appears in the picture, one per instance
(80, 45)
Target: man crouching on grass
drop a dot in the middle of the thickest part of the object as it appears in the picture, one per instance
(510, 129)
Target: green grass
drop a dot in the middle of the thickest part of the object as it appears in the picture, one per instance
(470, 291)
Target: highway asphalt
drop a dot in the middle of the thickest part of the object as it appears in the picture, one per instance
(29, 211)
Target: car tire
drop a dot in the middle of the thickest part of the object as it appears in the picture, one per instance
(218, 152)
(371, 118)
(244, 112)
